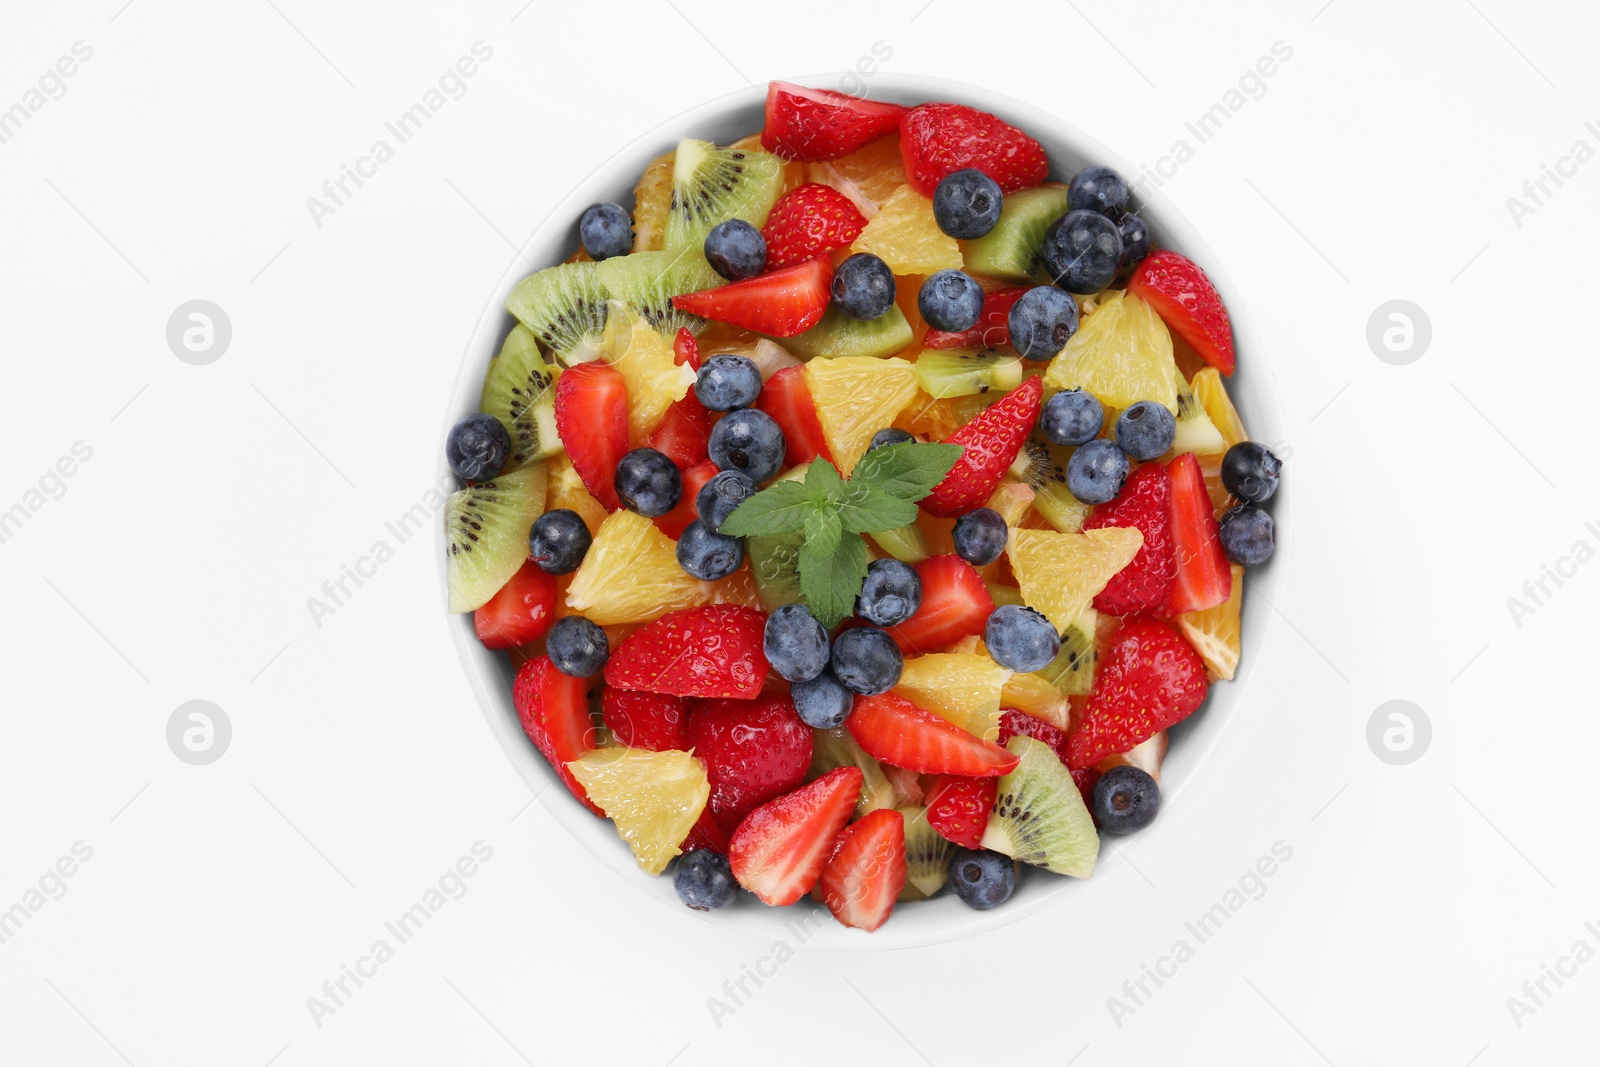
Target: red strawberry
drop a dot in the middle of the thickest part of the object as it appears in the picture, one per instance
(1187, 301)
(812, 125)
(992, 329)
(554, 709)
(938, 139)
(779, 849)
(685, 349)
(1013, 722)
(894, 730)
(646, 720)
(787, 398)
(808, 222)
(990, 443)
(1148, 680)
(1144, 584)
(958, 808)
(706, 834)
(1204, 578)
(861, 881)
(520, 612)
(753, 750)
(782, 303)
(955, 604)
(674, 522)
(592, 419)
(712, 651)
(1084, 778)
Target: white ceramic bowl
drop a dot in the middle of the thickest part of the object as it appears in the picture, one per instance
(943, 918)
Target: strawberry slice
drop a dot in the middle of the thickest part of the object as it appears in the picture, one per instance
(1148, 679)
(808, 222)
(554, 709)
(684, 433)
(1013, 722)
(592, 419)
(955, 604)
(992, 329)
(674, 522)
(894, 730)
(812, 125)
(754, 750)
(1204, 578)
(706, 834)
(861, 881)
(937, 140)
(990, 443)
(646, 720)
(781, 303)
(958, 808)
(711, 651)
(779, 850)
(1146, 582)
(520, 612)
(685, 349)
(787, 398)
(1187, 301)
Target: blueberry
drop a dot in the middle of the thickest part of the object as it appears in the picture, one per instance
(891, 593)
(1135, 234)
(477, 447)
(1250, 471)
(1072, 417)
(721, 495)
(950, 300)
(606, 231)
(795, 643)
(863, 286)
(891, 436)
(1082, 250)
(1020, 639)
(648, 482)
(1125, 799)
(736, 250)
(577, 647)
(1146, 430)
(966, 205)
(558, 541)
(866, 660)
(1096, 471)
(706, 555)
(1247, 535)
(982, 879)
(727, 382)
(1042, 322)
(704, 880)
(822, 703)
(747, 440)
(980, 536)
(1098, 189)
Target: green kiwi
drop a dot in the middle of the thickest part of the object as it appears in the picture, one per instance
(965, 371)
(1039, 816)
(1043, 466)
(487, 527)
(1072, 671)
(564, 307)
(835, 748)
(1196, 432)
(927, 856)
(1004, 594)
(519, 390)
(711, 185)
(840, 335)
(1010, 251)
(775, 564)
(904, 543)
(649, 281)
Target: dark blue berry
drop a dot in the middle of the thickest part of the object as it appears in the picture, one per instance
(891, 436)
(1098, 189)
(795, 643)
(1096, 471)
(577, 647)
(891, 593)
(558, 541)
(966, 204)
(1021, 639)
(704, 880)
(747, 440)
(982, 879)
(648, 482)
(1072, 417)
(1250, 471)
(736, 250)
(606, 231)
(706, 555)
(980, 536)
(822, 702)
(1146, 430)
(727, 382)
(863, 286)
(950, 300)
(1135, 234)
(1247, 535)
(721, 495)
(1042, 322)
(477, 447)
(1124, 799)
(1082, 251)
(866, 660)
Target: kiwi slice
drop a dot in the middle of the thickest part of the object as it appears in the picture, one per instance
(1072, 671)
(927, 856)
(835, 748)
(564, 307)
(711, 185)
(1043, 466)
(840, 335)
(649, 281)
(904, 543)
(1196, 432)
(519, 390)
(1010, 251)
(1039, 816)
(1004, 594)
(775, 564)
(487, 527)
(965, 371)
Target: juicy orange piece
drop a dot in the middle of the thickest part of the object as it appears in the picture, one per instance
(566, 490)
(631, 574)
(855, 397)
(1122, 353)
(1213, 396)
(963, 689)
(1214, 632)
(868, 176)
(652, 204)
(654, 798)
(938, 419)
(905, 236)
(644, 359)
(1060, 573)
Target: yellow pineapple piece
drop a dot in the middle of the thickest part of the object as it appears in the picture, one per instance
(1213, 396)
(1060, 573)
(644, 359)
(868, 176)
(566, 490)
(631, 574)
(964, 689)
(905, 236)
(654, 798)
(652, 204)
(856, 396)
(1214, 632)
(1122, 354)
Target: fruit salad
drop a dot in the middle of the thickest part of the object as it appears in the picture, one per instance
(860, 509)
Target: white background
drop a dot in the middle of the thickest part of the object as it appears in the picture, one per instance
(218, 498)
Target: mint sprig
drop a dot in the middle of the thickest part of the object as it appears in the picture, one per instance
(831, 513)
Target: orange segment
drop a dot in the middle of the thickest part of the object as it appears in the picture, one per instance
(654, 798)
(868, 176)
(652, 203)
(963, 689)
(855, 397)
(1214, 632)
(1213, 396)
(631, 574)
(645, 360)
(1122, 353)
(1060, 573)
(566, 490)
(906, 237)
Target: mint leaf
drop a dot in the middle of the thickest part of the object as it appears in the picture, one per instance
(865, 509)
(823, 530)
(907, 471)
(823, 481)
(779, 510)
(831, 580)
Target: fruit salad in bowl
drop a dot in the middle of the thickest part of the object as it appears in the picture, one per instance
(851, 511)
